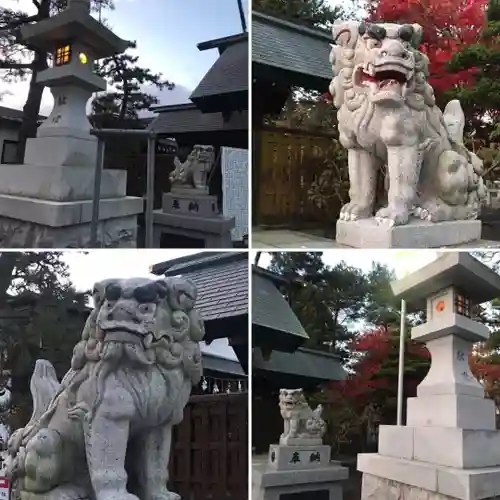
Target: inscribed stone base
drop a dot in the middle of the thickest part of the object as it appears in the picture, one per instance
(215, 232)
(119, 232)
(368, 233)
(395, 478)
(319, 483)
(31, 223)
(190, 204)
(306, 456)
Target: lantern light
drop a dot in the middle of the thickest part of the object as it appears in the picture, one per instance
(83, 58)
(63, 55)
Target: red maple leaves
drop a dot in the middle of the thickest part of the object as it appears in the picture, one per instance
(449, 26)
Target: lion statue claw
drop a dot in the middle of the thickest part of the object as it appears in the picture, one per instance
(104, 432)
(387, 116)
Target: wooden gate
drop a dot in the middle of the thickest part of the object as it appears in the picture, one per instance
(292, 167)
(210, 449)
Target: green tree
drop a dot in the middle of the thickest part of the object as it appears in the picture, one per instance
(327, 300)
(313, 13)
(41, 316)
(128, 78)
(19, 61)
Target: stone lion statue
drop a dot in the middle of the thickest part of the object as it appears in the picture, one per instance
(387, 116)
(104, 432)
(194, 171)
(300, 422)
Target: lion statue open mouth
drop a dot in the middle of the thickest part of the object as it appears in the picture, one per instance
(108, 425)
(388, 116)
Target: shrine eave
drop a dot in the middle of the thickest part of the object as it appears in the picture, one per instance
(459, 269)
(71, 26)
(282, 50)
(225, 86)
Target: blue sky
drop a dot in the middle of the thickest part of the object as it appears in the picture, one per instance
(166, 31)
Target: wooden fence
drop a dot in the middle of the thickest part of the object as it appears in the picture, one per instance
(292, 171)
(210, 449)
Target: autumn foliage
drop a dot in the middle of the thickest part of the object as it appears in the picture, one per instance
(376, 371)
(449, 26)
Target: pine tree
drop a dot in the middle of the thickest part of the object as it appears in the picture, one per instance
(128, 78)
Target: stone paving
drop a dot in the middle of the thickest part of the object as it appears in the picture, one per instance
(286, 238)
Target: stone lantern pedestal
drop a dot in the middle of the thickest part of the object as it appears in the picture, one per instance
(47, 201)
(450, 447)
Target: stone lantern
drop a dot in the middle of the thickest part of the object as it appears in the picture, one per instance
(450, 445)
(47, 201)
(75, 40)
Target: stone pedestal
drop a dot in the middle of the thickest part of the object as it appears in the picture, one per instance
(51, 207)
(370, 233)
(193, 214)
(450, 447)
(298, 472)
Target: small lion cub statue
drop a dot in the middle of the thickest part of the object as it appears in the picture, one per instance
(302, 425)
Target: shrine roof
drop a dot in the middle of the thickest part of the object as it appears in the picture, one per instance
(221, 278)
(187, 118)
(272, 314)
(295, 49)
(313, 364)
(460, 269)
(69, 26)
(14, 115)
(227, 77)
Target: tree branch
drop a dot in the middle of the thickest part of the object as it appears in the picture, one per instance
(36, 3)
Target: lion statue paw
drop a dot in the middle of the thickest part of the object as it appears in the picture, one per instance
(354, 211)
(393, 216)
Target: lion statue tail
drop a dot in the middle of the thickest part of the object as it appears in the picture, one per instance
(454, 122)
(44, 388)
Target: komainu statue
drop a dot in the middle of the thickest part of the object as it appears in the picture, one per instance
(193, 173)
(388, 117)
(301, 424)
(104, 432)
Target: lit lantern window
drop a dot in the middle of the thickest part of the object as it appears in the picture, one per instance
(462, 305)
(83, 58)
(63, 55)
(440, 306)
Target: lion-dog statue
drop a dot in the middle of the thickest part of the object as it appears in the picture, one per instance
(104, 433)
(388, 116)
(193, 172)
(301, 423)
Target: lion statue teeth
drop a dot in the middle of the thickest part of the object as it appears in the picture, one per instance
(388, 117)
(301, 424)
(107, 426)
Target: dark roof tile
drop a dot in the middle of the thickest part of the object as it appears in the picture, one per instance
(288, 46)
(229, 73)
(271, 310)
(188, 119)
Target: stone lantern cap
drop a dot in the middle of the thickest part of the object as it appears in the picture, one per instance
(453, 269)
(74, 25)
